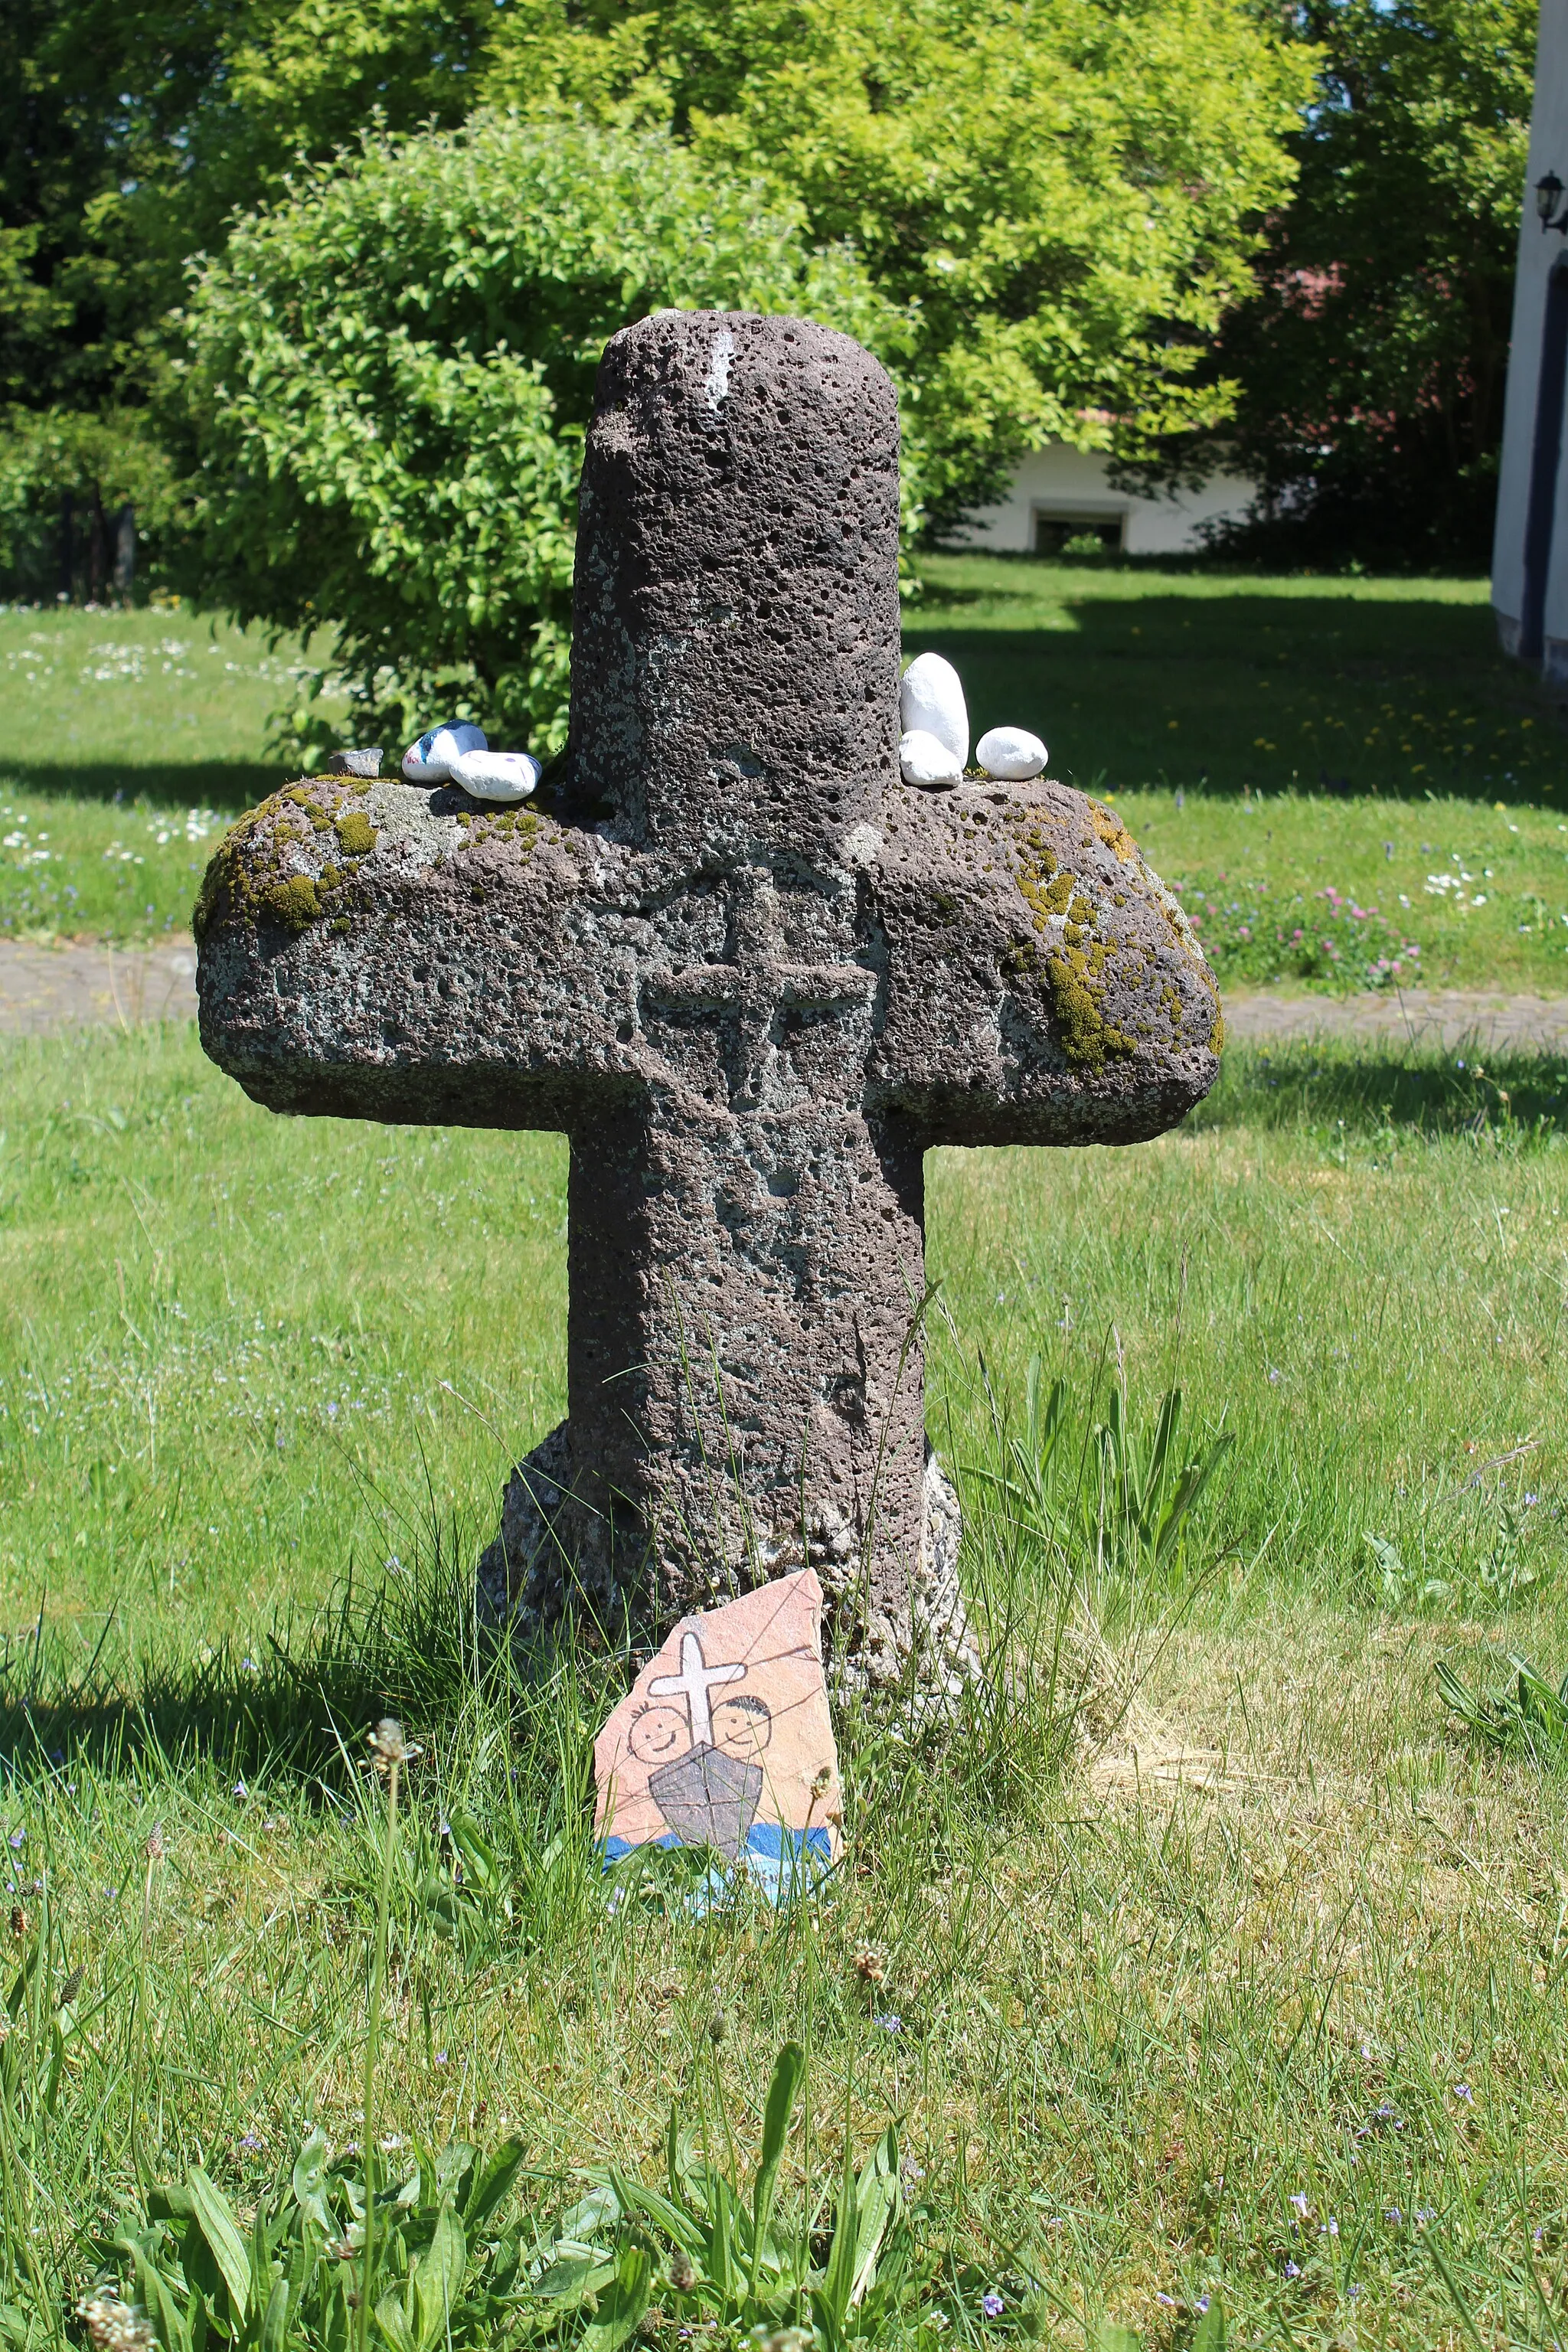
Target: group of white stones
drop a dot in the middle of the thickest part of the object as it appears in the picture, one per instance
(934, 746)
(461, 755)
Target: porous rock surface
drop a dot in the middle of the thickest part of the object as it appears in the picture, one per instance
(751, 975)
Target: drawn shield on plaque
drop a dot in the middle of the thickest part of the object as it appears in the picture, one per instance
(709, 1798)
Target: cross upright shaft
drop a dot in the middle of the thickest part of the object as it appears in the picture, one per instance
(749, 973)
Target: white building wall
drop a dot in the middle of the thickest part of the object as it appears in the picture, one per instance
(1069, 485)
(1538, 252)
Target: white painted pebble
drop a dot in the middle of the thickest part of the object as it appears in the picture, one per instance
(1011, 753)
(496, 775)
(429, 762)
(931, 702)
(922, 759)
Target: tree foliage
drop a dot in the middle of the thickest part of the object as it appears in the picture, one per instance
(130, 132)
(1059, 196)
(389, 374)
(1371, 368)
(1063, 193)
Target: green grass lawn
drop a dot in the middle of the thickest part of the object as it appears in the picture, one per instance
(1225, 1964)
(1345, 780)
(129, 741)
(1211, 1957)
(1315, 764)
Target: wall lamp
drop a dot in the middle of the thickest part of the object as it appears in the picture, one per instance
(1548, 191)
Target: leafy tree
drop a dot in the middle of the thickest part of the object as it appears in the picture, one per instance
(1371, 369)
(1063, 192)
(389, 375)
(130, 130)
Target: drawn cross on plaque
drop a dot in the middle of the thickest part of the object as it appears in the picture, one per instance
(693, 1683)
(750, 974)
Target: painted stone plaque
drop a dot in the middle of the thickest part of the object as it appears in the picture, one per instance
(724, 1740)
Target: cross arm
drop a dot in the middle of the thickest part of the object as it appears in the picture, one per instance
(379, 952)
(1041, 984)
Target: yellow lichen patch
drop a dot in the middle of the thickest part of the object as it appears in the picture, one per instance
(1217, 1035)
(356, 834)
(516, 825)
(1087, 1039)
(1114, 833)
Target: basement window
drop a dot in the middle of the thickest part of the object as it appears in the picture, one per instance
(1059, 531)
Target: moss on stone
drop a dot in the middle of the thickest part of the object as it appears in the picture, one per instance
(1217, 1035)
(301, 799)
(356, 835)
(220, 887)
(296, 903)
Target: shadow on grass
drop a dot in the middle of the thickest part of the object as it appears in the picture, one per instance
(230, 785)
(1506, 1095)
(1136, 689)
(282, 1709)
(292, 1705)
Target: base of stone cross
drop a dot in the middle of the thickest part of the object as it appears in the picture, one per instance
(528, 1584)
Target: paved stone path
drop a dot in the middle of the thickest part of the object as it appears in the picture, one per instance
(1427, 1017)
(43, 990)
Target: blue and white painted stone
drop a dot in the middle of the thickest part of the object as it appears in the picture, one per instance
(1011, 754)
(429, 762)
(924, 760)
(931, 702)
(496, 775)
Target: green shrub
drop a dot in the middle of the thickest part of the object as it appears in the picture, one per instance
(389, 376)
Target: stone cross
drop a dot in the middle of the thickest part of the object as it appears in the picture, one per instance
(753, 977)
